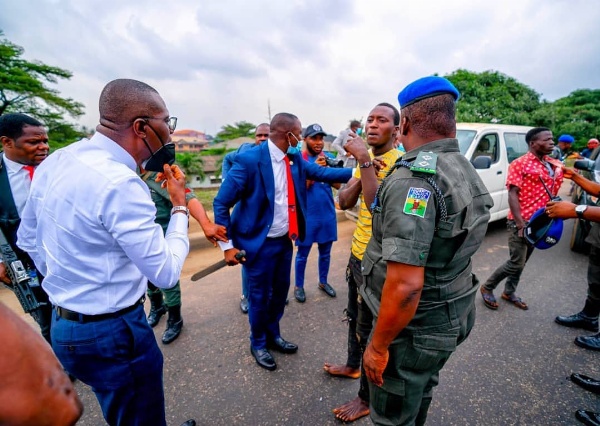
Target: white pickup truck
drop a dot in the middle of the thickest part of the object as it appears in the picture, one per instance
(500, 143)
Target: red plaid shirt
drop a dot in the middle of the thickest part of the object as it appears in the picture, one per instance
(525, 173)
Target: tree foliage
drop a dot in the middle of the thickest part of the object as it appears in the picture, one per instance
(493, 97)
(237, 130)
(23, 89)
(191, 164)
(577, 114)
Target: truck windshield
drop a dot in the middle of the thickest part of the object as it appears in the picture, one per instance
(465, 137)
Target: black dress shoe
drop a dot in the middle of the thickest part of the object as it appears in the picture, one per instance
(327, 289)
(578, 320)
(244, 305)
(588, 417)
(299, 294)
(263, 358)
(586, 382)
(283, 346)
(589, 342)
(190, 422)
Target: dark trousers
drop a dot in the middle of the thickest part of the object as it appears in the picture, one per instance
(360, 324)
(593, 276)
(43, 316)
(324, 262)
(268, 284)
(120, 360)
(520, 252)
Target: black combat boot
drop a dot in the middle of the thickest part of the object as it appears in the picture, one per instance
(174, 325)
(157, 309)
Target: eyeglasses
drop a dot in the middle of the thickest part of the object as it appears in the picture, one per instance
(170, 121)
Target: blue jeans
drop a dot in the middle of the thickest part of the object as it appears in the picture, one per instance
(324, 261)
(120, 360)
(268, 284)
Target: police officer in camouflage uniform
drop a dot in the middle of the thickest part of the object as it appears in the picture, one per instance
(429, 217)
(172, 296)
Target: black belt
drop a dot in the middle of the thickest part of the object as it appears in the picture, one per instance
(76, 316)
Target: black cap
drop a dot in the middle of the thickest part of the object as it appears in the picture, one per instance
(313, 130)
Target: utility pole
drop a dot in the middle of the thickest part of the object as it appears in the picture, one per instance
(269, 108)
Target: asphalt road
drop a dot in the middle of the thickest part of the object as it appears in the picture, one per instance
(512, 370)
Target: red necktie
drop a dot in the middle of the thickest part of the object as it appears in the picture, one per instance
(292, 214)
(30, 169)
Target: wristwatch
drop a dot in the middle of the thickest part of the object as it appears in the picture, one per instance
(580, 209)
(184, 209)
(366, 165)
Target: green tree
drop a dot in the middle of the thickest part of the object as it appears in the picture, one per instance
(23, 89)
(493, 97)
(191, 164)
(577, 114)
(237, 130)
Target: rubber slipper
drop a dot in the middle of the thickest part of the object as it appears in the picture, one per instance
(515, 301)
(489, 300)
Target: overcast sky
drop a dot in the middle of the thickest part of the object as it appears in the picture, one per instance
(327, 61)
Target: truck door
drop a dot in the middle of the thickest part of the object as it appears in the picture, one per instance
(494, 177)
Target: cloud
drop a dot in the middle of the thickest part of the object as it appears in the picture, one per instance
(327, 61)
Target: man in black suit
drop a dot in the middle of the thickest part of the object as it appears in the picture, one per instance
(25, 145)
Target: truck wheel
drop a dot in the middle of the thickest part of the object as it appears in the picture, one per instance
(580, 231)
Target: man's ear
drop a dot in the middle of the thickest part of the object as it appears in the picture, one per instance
(6, 141)
(404, 126)
(139, 127)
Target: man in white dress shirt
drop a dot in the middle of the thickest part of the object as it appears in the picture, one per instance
(89, 226)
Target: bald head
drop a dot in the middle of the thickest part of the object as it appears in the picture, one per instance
(123, 100)
(282, 125)
(283, 122)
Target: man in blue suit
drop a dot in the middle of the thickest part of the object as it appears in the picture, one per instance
(257, 185)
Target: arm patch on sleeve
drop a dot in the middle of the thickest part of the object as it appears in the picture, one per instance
(416, 201)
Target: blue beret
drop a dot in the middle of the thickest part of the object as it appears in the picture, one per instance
(566, 139)
(543, 232)
(426, 87)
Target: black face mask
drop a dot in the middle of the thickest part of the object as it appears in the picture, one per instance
(163, 155)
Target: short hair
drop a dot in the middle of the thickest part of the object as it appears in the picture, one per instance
(283, 122)
(434, 116)
(355, 123)
(394, 110)
(123, 100)
(11, 125)
(533, 133)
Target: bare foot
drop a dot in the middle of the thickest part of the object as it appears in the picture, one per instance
(352, 410)
(342, 371)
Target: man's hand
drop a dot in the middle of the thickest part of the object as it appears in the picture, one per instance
(568, 172)
(321, 161)
(561, 209)
(174, 180)
(3, 274)
(374, 363)
(230, 257)
(356, 147)
(214, 233)
(379, 164)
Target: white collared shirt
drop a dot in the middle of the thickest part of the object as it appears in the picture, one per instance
(19, 181)
(89, 227)
(280, 225)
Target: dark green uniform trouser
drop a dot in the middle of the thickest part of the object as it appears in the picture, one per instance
(413, 370)
(172, 295)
